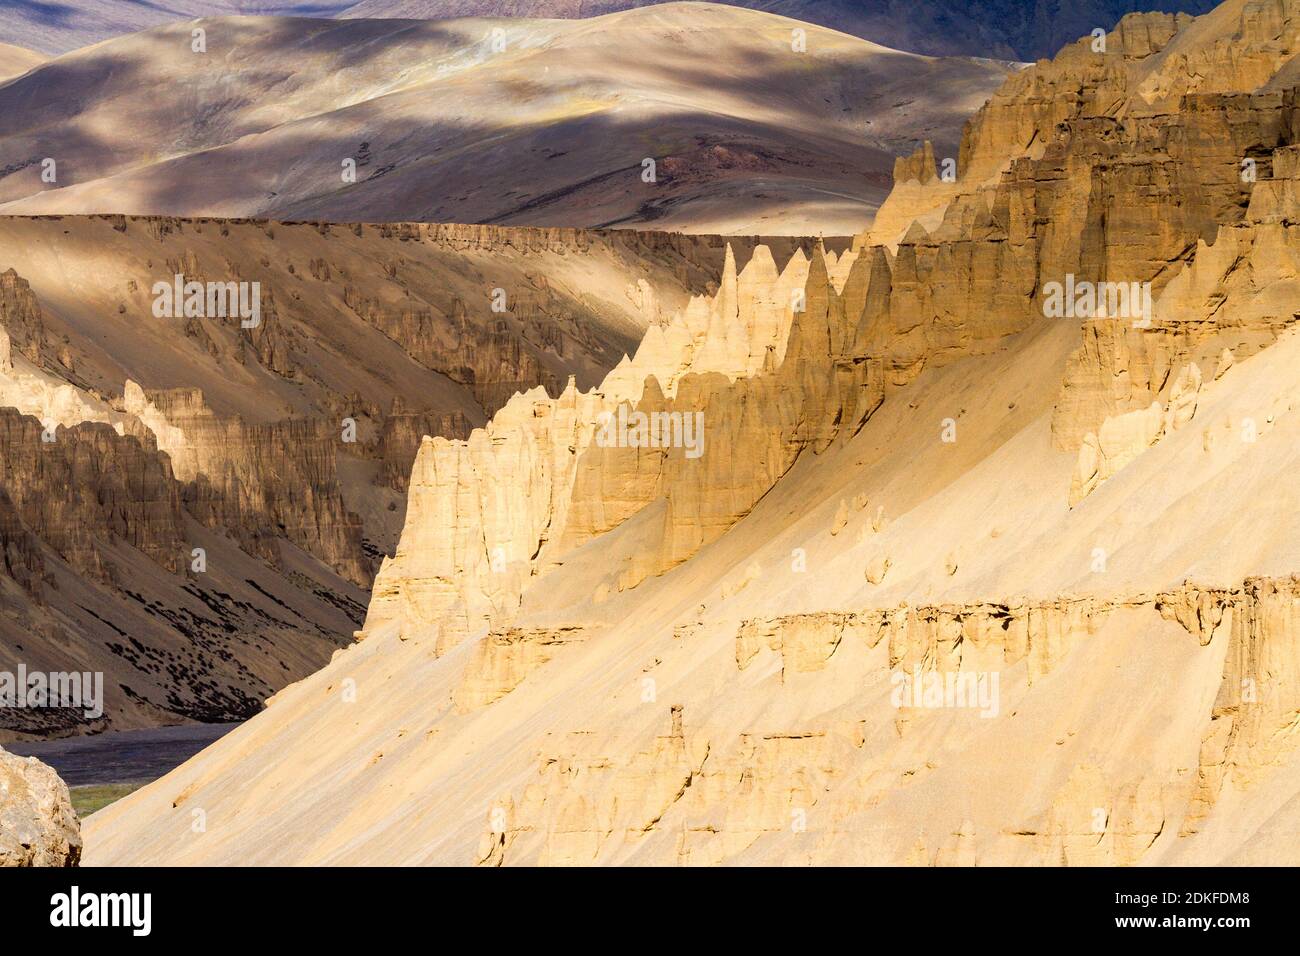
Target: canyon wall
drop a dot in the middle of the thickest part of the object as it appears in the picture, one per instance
(953, 581)
(256, 464)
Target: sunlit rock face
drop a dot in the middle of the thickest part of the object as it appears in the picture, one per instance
(957, 577)
(38, 826)
(196, 504)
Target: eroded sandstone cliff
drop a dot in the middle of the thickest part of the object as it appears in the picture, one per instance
(955, 580)
(194, 503)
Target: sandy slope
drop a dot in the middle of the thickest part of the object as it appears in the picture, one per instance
(411, 796)
(56, 28)
(553, 128)
(16, 60)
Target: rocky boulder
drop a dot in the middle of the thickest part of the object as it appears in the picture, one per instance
(38, 826)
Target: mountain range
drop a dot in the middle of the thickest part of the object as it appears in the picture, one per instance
(691, 117)
(1003, 29)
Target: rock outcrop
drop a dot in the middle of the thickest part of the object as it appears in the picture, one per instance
(548, 475)
(38, 826)
(1253, 718)
(196, 508)
(937, 637)
(724, 797)
(125, 492)
(262, 482)
(951, 289)
(504, 659)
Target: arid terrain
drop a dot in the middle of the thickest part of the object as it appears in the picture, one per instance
(1006, 29)
(282, 451)
(941, 520)
(595, 651)
(16, 60)
(687, 117)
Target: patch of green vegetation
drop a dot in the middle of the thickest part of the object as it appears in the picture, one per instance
(86, 800)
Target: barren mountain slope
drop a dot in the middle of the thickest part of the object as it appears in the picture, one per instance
(56, 27)
(1009, 29)
(1019, 29)
(129, 439)
(16, 60)
(495, 121)
(912, 480)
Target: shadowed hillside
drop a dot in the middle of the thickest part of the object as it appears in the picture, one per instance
(1007, 29)
(750, 127)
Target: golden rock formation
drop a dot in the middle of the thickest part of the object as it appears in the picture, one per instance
(597, 650)
(196, 508)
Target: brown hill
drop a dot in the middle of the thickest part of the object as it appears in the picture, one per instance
(16, 60)
(495, 121)
(1008, 29)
